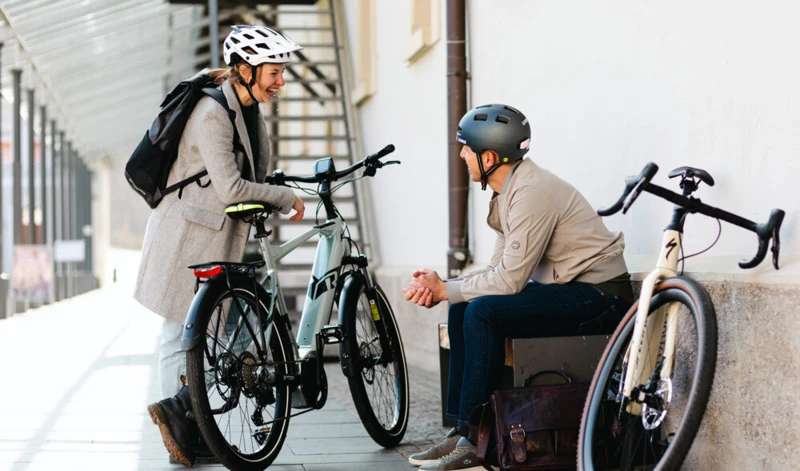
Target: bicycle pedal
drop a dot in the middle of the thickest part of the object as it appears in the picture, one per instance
(331, 334)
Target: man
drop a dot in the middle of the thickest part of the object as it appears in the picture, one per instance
(556, 270)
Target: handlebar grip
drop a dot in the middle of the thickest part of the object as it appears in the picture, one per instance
(383, 152)
(632, 184)
(611, 210)
(762, 251)
(765, 232)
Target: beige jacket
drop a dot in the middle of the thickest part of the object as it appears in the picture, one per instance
(547, 232)
(194, 228)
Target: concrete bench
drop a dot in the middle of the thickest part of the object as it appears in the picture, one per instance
(576, 357)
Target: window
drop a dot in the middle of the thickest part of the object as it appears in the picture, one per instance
(425, 27)
(365, 52)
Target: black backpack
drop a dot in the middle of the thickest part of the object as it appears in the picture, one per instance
(149, 165)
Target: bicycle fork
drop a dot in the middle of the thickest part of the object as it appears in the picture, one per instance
(650, 358)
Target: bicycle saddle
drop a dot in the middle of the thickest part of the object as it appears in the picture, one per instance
(248, 209)
(690, 172)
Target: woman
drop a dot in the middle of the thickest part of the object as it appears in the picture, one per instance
(191, 227)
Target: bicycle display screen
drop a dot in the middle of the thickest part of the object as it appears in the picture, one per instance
(323, 168)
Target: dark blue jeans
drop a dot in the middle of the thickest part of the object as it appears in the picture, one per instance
(478, 330)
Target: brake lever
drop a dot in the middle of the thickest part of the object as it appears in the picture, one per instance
(776, 247)
(765, 232)
(277, 178)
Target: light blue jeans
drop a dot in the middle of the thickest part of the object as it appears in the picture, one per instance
(171, 359)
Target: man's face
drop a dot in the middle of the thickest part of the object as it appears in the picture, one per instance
(471, 159)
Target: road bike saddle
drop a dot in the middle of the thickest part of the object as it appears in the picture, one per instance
(248, 209)
(690, 172)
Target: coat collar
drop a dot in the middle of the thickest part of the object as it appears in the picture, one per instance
(241, 128)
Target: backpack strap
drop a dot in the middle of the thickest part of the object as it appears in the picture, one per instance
(219, 97)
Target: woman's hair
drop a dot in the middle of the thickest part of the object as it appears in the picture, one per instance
(218, 76)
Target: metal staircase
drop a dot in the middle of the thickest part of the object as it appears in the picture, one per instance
(313, 119)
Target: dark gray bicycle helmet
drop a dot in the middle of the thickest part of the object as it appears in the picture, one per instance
(500, 128)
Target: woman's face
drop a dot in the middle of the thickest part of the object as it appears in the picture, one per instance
(269, 79)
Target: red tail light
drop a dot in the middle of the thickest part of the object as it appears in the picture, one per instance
(208, 272)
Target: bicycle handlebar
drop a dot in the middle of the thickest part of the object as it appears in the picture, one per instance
(634, 185)
(372, 162)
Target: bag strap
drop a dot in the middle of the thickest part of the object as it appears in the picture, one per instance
(532, 377)
(219, 97)
(485, 434)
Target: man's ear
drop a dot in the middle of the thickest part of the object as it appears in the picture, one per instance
(490, 159)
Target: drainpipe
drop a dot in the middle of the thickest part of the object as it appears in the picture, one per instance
(458, 254)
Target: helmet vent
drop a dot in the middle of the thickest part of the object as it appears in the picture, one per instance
(511, 109)
(235, 41)
(502, 119)
(262, 45)
(248, 36)
(481, 117)
(483, 106)
(262, 33)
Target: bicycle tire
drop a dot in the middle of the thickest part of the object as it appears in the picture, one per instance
(387, 425)
(612, 438)
(237, 377)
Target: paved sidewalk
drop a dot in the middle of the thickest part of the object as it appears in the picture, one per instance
(78, 375)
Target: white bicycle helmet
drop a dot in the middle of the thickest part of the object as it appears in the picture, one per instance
(257, 45)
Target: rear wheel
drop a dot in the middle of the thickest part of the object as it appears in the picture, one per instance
(655, 432)
(379, 383)
(239, 396)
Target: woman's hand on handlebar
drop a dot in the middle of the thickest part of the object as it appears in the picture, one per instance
(299, 207)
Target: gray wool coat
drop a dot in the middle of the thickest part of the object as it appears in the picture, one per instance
(193, 228)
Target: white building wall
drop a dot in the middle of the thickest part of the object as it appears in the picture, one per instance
(608, 87)
(409, 110)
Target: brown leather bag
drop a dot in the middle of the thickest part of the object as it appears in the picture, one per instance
(531, 428)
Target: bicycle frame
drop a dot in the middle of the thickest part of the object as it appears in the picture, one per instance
(663, 324)
(325, 275)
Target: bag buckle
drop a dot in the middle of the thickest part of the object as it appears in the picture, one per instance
(518, 448)
(517, 433)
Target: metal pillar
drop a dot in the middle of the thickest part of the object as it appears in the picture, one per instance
(62, 226)
(4, 285)
(70, 214)
(31, 172)
(65, 151)
(52, 203)
(90, 238)
(43, 164)
(213, 32)
(16, 138)
(80, 204)
(54, 199)
(458, 254)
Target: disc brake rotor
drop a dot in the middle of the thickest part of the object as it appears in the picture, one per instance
(654, 410)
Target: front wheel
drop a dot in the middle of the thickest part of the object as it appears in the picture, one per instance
(655, 431)
(240, 397)
(379, 377)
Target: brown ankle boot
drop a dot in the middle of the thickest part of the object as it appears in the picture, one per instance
(179, 433)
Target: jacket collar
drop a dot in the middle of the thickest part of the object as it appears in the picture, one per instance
(241, 128)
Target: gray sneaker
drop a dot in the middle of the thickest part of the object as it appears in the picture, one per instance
(437, 451)
(463, 458)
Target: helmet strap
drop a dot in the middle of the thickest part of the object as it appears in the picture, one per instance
(485, 174)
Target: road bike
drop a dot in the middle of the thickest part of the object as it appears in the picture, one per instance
(246, 372)
(652, 384)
